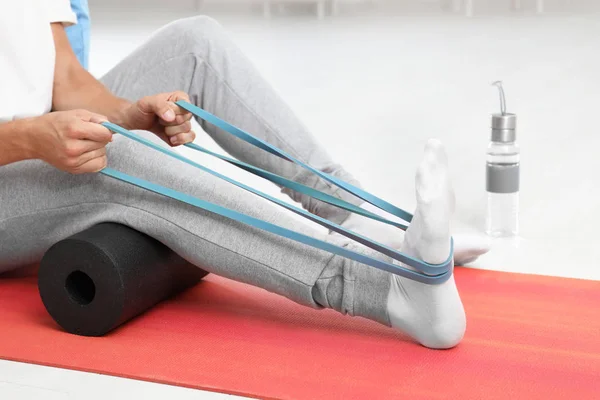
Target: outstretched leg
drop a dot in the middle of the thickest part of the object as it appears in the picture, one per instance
(41, 206)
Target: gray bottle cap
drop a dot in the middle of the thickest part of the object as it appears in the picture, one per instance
(504, 125)
(504, 128)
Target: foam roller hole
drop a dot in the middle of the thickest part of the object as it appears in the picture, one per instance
(80, 287)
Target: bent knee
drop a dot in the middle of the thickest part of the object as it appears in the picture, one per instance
(194, 30)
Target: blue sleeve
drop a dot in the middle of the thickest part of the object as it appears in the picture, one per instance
(79, 35)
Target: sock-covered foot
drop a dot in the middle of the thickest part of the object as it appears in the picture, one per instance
(431, 314)
(467, 247)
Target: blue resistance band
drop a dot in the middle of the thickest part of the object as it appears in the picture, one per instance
(426, 273)
(261, 144)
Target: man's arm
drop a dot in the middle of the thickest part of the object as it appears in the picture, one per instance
(15, 139)
(71, 138)
(74, 87)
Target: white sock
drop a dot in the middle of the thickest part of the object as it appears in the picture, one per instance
(432, 314)
(467, 247)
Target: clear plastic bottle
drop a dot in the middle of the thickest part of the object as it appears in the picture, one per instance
(502, 174)
(502, 208)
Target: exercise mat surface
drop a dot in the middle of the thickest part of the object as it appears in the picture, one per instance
(528, 337)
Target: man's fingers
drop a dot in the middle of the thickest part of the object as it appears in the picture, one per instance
(171, 114)
(78, 164)
(179, 120)
(97, 118)
(163, 105)
(164, 109)
(78, 148)
(88, 116)
(173, 98)
(176, 114)
(167, 112)
(94, 131)
(179, 95)
(93, 165)
(182, 138)
(181, 112)
(157, 105)
(177, 129)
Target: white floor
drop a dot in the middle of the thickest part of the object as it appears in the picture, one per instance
(20, 381)
(374, 87)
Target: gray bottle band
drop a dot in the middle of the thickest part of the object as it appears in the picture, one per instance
(502, 178)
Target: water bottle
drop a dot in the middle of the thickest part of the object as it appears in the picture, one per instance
(502, 174)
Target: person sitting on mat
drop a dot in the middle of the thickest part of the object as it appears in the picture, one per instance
(51, 145)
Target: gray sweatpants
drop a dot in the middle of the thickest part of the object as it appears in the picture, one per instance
(40, 205)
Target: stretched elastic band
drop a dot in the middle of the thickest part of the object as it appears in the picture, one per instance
(277, 230)
(249, 138)
(426, 273)
(298, 187)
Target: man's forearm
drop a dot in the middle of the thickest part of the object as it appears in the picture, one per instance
(86, 92)
(15, 144)
(75, 88)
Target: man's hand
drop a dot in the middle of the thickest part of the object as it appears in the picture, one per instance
(74, 87)
(72, 141)
(159, 114)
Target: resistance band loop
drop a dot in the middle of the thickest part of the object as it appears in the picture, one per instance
(298, 187)
(426, 273)
(261, 144)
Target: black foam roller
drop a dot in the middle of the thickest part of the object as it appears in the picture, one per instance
(100, 278)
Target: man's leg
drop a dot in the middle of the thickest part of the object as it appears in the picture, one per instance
(195, 55)
(42, 205)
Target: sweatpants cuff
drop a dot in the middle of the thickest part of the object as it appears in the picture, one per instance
(371, 290)
(354, 288)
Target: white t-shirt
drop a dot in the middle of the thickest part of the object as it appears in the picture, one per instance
(27, 55)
